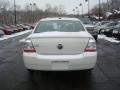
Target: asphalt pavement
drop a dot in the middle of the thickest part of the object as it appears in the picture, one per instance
(105, 76)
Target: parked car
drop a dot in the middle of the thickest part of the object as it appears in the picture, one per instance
(107, 26)
(14, 28)
(116, 33)
(1, 33)
(32, 26)
(100, 25)
(20, 27)
(90, 27)
(25, 26)
(6, 30)
(60, 44)
(109, 32)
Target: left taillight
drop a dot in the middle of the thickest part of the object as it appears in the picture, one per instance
(29, 48)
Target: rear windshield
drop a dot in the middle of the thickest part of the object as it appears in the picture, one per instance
(59, 25)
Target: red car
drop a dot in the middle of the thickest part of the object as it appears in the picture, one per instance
(7, 31)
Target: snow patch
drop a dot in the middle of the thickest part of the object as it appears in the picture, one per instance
(22, 40)
(14, 35)
(110, 39)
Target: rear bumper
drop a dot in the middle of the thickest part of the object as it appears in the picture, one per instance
(59, 63)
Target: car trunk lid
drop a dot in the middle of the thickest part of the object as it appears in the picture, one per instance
(60, 43)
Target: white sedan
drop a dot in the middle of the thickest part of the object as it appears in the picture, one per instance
(60, 44)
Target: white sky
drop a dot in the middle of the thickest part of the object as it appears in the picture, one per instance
(69, 5)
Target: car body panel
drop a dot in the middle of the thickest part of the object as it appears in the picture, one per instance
(71, 41)
(48, 56)
(66, 62)
(116, 33)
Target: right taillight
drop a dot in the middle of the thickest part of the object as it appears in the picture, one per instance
(29, 47)
(91, 46)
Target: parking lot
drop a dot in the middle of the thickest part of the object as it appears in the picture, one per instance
(56, 45)
(14, 76)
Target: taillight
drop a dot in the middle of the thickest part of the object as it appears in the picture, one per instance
(91, 46)
(29, 47)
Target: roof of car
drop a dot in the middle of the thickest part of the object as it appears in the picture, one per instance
(60, 18)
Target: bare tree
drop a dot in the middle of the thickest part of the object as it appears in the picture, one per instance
(29, 14)
(4, 6)
(115, 4)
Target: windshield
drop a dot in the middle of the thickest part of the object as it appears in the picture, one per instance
(59, 25)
